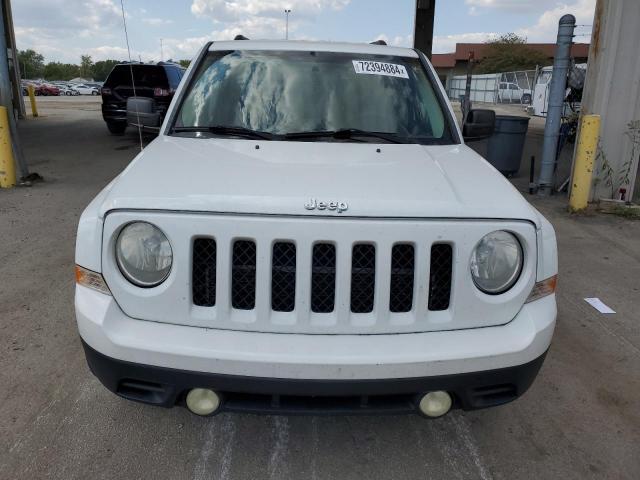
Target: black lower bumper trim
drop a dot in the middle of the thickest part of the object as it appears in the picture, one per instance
(167, 387)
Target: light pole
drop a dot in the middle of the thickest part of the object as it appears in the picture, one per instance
(161, 51)
(286, 33)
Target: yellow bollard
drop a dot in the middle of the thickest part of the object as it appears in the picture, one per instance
(7, 164)
(32, 99)
(586, 152)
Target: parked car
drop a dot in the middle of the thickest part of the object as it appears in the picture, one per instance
(509, 92)
(83, 89)
(309, 232)
(66, 90)
(155, 85)
(45, 89)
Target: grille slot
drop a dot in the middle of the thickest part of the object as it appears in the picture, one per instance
(243, 276)
(323, 278)
(203, 277)
(283, 277)
(363, 278)
(440, 276)
(402, 278)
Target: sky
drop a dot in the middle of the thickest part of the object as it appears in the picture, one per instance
(63, 30)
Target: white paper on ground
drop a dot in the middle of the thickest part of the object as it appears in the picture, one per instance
(598, 305)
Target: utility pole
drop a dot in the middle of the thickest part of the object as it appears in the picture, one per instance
(6, 99)
(286, 32)
(161, 51)
(561, 62)
(466, 104)
(423, 28)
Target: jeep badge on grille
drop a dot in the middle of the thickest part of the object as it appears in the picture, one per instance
(314, 204)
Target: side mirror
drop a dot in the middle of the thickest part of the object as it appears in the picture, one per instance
(478, 125)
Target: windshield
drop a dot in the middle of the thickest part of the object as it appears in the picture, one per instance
(283, 93)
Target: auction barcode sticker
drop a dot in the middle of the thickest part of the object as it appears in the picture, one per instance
(368, 67)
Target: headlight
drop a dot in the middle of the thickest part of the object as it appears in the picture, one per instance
(496, 262)
(143, 254)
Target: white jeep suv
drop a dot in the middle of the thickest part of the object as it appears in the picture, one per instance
(310, 233)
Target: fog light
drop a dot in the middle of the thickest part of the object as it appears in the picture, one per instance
(435, 404)
(203, 401)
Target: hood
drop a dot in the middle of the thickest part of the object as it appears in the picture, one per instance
(273, 177)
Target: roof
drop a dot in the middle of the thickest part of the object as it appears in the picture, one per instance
(443, 60)
(448, 60)
(302, 45)
(579, 50)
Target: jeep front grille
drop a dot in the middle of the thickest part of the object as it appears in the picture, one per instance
(363, 278)
(402, 274)
(283, 277)
(324, 268)
(440, 276)
(323, 278)
(243, 275)
(203, 276)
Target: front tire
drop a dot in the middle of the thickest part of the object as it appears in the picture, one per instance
(116, 128)
(94, 93)
(526, 99)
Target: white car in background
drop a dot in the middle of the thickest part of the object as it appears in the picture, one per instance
(310, 233)
(83, 89)
(510, 92)
(66, 90)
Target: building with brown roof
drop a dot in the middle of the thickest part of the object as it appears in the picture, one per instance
(455, 63)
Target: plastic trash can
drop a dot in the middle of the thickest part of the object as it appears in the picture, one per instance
(505, 146)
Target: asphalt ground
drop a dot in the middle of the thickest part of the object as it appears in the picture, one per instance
(579, 420)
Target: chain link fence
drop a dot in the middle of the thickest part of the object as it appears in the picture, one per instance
(506, 87)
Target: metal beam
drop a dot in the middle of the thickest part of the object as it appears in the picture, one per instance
(561, 62)
(6, 93)
(423, 28)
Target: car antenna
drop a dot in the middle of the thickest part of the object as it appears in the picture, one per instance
(133, 83)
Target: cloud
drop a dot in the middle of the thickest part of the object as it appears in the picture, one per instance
(224, 10)
(447, 43)
(546, 28)
(514, 6)
(156, 21)
(261, 18)
(48, 25)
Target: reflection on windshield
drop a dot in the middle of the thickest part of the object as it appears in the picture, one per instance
(284, 92)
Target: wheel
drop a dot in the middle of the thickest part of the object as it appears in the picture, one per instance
(68, 93)
(94, 93)
(117, 128)
(526, 99)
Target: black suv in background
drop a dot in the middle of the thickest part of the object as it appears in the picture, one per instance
(156, 82)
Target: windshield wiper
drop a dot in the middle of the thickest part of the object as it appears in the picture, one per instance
(346, 133)
(226, 130)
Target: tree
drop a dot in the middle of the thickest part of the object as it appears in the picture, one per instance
(102, 69)
(60, 71)
(509, 53)
(184, 63)
(31, 63)
(86, 66)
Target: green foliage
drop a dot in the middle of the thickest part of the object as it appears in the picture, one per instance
(31, 63)
(508, 53)
(32, 66)
(102, 69)
(184, 63)
(616, 180)
(60, 71)
(86, 66)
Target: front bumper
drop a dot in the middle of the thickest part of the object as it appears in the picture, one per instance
(167, 387)
(482, 367)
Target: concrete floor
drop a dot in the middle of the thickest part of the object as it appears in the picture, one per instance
(581, 418)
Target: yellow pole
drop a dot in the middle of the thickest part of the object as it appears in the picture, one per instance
(32, 99)
(7, 163)
(586, 151)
